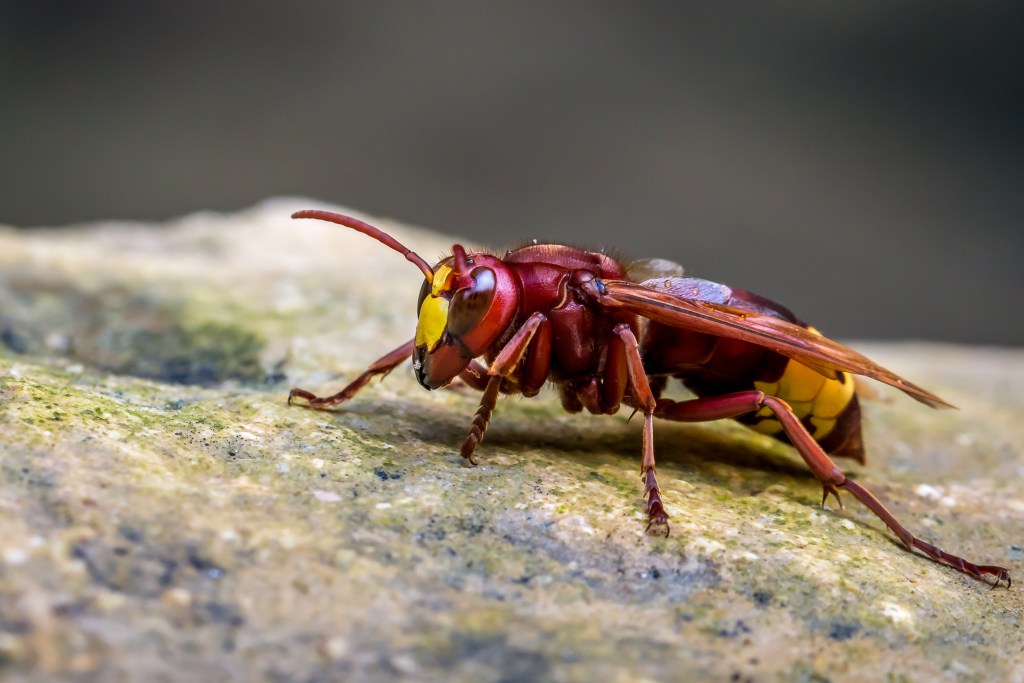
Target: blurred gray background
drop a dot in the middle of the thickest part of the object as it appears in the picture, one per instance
(861, 162)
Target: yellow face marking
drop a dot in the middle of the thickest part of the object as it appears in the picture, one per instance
(432, 321)
(434, 311)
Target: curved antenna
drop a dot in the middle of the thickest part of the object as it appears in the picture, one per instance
(376, 233)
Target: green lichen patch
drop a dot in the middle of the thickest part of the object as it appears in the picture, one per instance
(206, 354)
(124, 331)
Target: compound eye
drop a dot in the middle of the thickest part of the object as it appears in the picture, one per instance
(470, 304)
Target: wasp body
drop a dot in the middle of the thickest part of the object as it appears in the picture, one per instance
(552, 313)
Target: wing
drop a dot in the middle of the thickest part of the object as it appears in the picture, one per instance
(791, 340)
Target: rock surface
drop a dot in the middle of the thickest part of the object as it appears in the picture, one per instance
(165, 516)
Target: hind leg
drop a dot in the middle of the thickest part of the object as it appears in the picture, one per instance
(821, 465)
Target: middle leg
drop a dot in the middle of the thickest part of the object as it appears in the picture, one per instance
(625, 351)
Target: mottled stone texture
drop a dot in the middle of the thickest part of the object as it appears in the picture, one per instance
(164, 516)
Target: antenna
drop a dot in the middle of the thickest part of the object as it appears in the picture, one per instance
(375, 233)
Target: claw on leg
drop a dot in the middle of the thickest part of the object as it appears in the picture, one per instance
(657, 518)
(830, 489)
(301, 393)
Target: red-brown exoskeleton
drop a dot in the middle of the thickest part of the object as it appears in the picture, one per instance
(552, 313)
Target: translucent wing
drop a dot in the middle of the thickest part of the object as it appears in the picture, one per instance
(673, 307)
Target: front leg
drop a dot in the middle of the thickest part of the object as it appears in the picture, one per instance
(481, 420)
(504, 365)
(382, 366)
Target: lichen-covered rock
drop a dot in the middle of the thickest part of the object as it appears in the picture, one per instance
(165, 516)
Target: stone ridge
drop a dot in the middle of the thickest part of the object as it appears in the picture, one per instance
(165, 516)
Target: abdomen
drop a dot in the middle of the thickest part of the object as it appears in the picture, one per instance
(710, 366)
